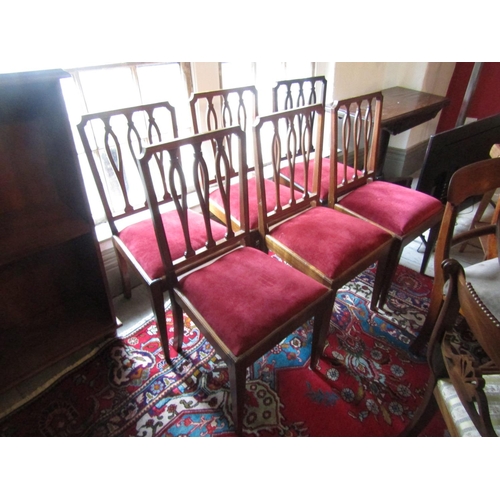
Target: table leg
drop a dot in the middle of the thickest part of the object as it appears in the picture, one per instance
(382, 151)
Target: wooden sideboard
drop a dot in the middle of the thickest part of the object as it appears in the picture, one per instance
(53, 291)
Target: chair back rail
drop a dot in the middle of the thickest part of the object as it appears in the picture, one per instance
(298, 92)
(113, 141)
(177, 155)
(224, 108)
(292, 137)
(355, 137)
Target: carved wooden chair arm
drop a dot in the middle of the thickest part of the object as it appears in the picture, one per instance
(466, 376)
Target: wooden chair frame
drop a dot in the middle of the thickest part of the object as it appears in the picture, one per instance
(467, 182)
(355, 143)
(234, 240)
(447, 360)
(301, 140)
(115, 152)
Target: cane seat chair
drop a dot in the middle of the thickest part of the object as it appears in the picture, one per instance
(113, 141)
(403, 211)
(242, 300)
(464, 382)
(325, 244)
(224, 108)
(467, 183)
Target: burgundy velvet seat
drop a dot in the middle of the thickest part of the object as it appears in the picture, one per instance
(378, 201)
(140, 239)
(324, 187)
(325, 244)
(113, 140)
(331, 242)
(243, 301)
(217, 204)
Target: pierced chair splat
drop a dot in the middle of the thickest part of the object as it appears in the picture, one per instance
(113, 141)
(243, 301)
(224, 108)
(325, 244)
(294, 93)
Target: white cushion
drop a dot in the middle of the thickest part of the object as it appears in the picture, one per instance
(459, 415)
(485, 278)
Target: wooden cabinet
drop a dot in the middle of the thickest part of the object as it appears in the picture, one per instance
(53, 292)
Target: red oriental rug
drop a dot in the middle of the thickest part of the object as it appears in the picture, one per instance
(367, 382)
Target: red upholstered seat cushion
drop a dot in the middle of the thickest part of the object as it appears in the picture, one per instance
(140, 239)
(253, 208)
(325, 176)
(247, 294)
(397, 208)
(330, 240)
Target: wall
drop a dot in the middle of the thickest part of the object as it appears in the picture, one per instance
(406, 150)
(484, 102)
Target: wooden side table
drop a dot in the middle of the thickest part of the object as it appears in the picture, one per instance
(402, 110)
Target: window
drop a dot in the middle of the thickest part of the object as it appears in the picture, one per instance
(95, 89)
(105, 88)
(263, 75)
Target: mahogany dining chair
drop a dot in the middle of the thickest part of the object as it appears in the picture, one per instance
(113, 141)
(325, 244)
(243, 301)
(221, 108)
(403, 211)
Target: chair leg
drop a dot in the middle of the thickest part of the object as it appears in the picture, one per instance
(124, 274)
(429, 246)
(424, 413)
(385, 273)
(237, 379)
(321, 328)
(425, 333)
(158, 305)
(178, 319)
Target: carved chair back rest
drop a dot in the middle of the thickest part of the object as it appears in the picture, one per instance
(289, 138)
(467, 182)
(113, 141)
(355, 134)
(192, 156)
(299, 92)
(226, 108)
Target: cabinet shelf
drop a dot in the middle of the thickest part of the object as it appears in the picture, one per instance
(31, 230)
(50, 337)
(54, 297)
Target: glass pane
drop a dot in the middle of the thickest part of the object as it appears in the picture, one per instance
(164, 82)
(298, 70)
(237, 74)
(108, 88)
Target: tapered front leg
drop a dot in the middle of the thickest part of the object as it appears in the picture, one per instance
(178, 319)
(320, 328)
(237, 379)
(158, 304)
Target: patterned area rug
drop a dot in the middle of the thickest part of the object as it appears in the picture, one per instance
(367, 383)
